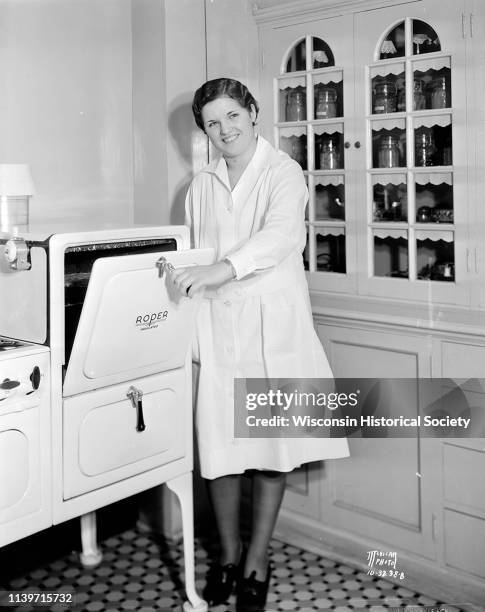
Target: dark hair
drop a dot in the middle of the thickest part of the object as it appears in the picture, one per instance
(221, 88)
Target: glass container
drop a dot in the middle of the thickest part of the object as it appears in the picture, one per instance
(329, 155)
(385, 97)
(439, 93)
(419, 95)
(401, 96)
(424, 148)
(388, 154)
(326, 104)
(298, 151)
(296, 106)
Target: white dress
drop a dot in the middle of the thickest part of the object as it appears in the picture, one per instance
(259, 325)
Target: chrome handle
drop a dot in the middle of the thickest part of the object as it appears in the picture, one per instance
(135, 396)
(163, 265)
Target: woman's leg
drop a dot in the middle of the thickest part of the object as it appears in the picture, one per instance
(225, 494)
(268, 490)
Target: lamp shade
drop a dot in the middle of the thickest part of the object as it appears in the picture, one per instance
(16, 180)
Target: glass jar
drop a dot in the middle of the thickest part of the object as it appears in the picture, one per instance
(389, 154)
(424, 148)
(439, 93)
(298, 151)
(329, 155)
(296, 106)
(401, 96)
(326, 104)
(385, 97)
(419, 95)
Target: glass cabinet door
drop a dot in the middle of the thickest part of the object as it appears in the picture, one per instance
(313, 96)
(415, 233)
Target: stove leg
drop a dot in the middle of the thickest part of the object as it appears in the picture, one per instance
(90, 556)
(182, 487)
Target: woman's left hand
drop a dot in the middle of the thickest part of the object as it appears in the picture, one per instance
(190, 281)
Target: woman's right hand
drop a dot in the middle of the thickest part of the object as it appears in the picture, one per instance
(192, 280)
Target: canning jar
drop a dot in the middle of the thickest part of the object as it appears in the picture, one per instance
(388, 154)
(298, 151)
(385, 97)
(296, 106)
(439, 93)
(326, 104)
(329, 155)
(424, 148)
(419, 95)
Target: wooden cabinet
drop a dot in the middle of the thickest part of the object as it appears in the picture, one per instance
(386, 490)
(374, 104)
(380, 102)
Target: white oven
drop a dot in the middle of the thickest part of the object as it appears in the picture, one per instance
(25, 437)
(118, 334)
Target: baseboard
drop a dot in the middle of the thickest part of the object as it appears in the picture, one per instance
(421, 575)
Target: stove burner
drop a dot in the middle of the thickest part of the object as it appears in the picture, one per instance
(7, 344)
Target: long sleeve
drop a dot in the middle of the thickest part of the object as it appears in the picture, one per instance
(283, 228)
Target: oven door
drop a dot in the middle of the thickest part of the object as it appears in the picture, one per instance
(133, 322)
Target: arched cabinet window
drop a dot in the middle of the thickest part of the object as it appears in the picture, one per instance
(410, 175)
(310, 126)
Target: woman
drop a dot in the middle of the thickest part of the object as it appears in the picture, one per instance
(254, 321)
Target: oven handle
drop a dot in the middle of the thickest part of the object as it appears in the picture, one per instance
(163, 265)
(135, 395)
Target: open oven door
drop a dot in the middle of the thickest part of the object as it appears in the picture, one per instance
(133, 322)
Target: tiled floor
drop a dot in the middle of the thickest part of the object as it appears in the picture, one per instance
(139, 573)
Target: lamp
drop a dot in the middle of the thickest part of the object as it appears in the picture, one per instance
(388, 47)
(320, 57)
(16, 188)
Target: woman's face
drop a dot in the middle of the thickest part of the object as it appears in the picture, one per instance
(229, 126)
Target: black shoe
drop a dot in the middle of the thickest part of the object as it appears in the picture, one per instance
(252, 593)
(222, 579)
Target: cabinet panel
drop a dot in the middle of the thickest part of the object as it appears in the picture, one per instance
(465, 542)
(379, 492)
(302, 493)
(463, 470)
(460, 360)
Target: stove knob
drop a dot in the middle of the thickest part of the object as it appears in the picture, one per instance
(35, 377)
(9, 384)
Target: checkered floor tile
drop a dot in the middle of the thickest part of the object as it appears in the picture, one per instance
(140, 573)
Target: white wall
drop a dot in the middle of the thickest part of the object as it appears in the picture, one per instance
(96, 96)
(185, 70)
(65, 104)
(150, 131)
(232, 42)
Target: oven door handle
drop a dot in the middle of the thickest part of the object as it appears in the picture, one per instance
(135, 395)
